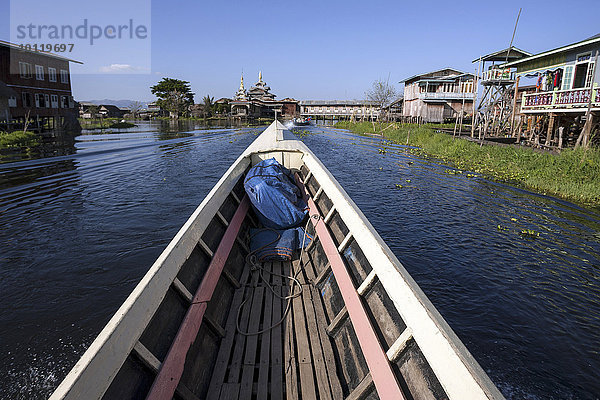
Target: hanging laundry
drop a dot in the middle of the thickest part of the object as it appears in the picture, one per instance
(544, 83)
(558, 78)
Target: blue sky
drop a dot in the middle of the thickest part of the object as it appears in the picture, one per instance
(314, 49)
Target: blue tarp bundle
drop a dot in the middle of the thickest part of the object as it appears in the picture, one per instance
(277, 245)
(274, 195)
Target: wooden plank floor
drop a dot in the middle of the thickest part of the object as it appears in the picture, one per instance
(294, 360)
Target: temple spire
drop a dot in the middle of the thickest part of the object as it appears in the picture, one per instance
(240, 95)
(260, 76)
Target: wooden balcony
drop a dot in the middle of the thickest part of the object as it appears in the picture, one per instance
(572, 100)
(446, 96)
(497, 76)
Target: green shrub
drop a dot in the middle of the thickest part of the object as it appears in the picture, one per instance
(18, 139)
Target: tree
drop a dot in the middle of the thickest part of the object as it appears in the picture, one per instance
(93, 110)
(382, 94)
(207, 105)
(135, 107)
(222, 108)
(174, 95)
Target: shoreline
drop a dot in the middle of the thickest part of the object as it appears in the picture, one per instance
(572, 175)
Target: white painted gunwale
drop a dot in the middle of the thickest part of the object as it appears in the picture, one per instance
(93, 373)
(458, 372)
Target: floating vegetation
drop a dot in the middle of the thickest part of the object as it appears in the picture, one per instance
(513, 219)
(382, 151)
(302, 133)
(453, 171)
(502, 228)
(410, 163)
(573, 174)
(529, 233)
(399, 186)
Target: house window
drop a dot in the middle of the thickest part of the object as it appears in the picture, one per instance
(64, 76)
(47, 100)
(26, 97)
(25, 70)
(568, 77)
(583, 71)
(71, 102)
(584, 57)
(39, 72)
(52, 74)
(37, 100)
(12, 101)
(64, 102)
(42, 101)
(54, 100)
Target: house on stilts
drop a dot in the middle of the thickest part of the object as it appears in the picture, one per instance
(564, 108)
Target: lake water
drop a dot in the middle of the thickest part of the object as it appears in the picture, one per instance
(79, 230)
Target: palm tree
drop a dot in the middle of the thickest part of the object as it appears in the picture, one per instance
(207, 103)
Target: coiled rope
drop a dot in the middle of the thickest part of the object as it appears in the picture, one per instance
(255, 266)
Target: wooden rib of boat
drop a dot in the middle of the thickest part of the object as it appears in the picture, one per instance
(360, 328)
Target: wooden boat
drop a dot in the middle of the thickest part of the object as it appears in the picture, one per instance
(360, 328)
(301, 121)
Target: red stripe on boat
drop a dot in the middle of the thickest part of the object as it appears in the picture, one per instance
(171, 369)
(383, 377)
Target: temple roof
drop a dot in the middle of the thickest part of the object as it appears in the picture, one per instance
(241, 94)
(260, 90)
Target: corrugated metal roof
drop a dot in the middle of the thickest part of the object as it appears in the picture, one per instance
(592, 40)
(455, 74)
(501, 55)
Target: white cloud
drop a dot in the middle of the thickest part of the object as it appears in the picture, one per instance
(122, 69)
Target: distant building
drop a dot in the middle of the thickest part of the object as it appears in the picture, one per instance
(110, 111)
(37, 84)
(102, 110)
(439, 95)
(86, 108)
(152, 110)
(339, 109)
(395, 111)
(259, 102)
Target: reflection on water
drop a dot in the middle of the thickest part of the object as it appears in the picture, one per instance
(79, 231)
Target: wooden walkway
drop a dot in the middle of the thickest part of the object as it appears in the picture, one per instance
(294, 360)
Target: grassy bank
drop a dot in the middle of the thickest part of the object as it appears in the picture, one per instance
(572, 174)
(18, 139)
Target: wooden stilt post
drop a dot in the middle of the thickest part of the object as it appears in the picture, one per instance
(584, 136)
(514, 109)
(560, 137)
(550, 129)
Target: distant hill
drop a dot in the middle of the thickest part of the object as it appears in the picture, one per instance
(118, 103)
